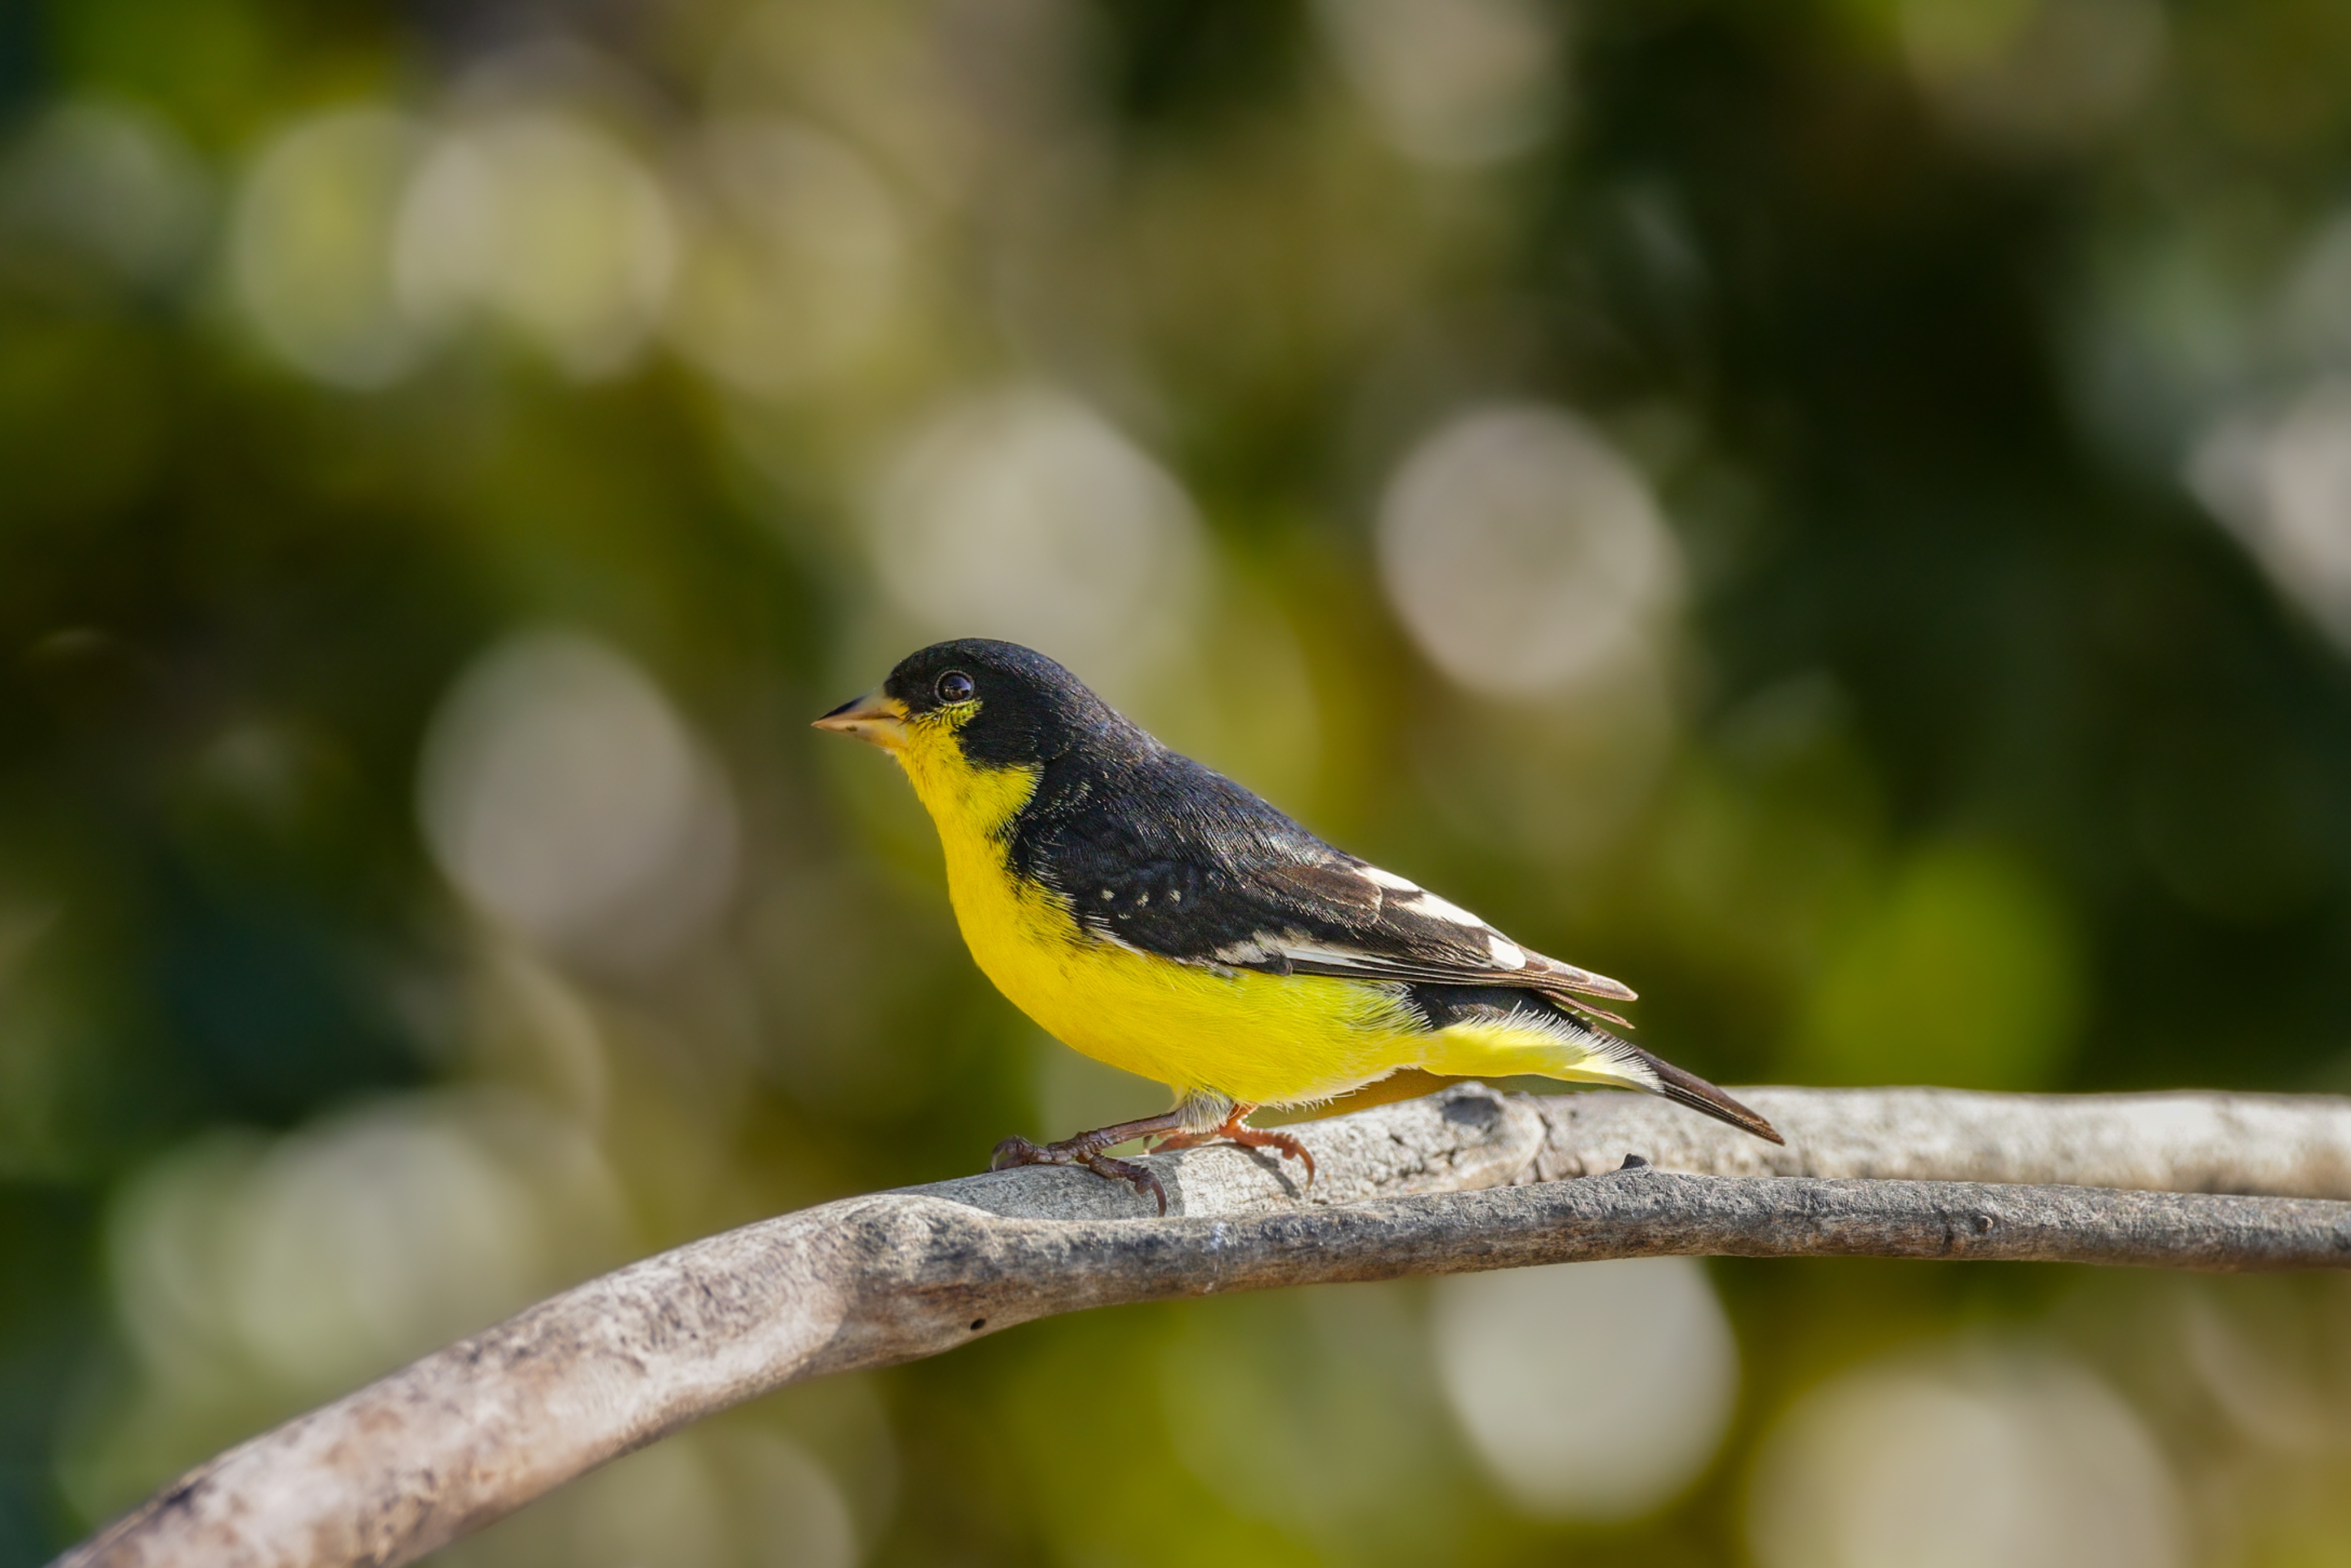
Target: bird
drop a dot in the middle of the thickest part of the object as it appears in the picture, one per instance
(1149, 911)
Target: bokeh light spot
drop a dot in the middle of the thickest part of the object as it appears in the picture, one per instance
(1023, 514)
(1589, 1390)
(111, 181)
(1451, 82)
(2282, 486)
(792, 266)
(563, 794)
(311, 246)
(745, 1498)
(255, 1276)
(2018, 1459)
(548, 223)
(1525, 553)
(2034, 76)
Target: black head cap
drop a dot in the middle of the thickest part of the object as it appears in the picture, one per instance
(1027, 708)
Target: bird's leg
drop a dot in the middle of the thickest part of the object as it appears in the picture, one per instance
(1237, 1130)
(1086, 1149)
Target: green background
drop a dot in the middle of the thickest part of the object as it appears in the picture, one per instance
(1989, 724)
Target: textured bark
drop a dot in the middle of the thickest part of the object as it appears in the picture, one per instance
(1460, 1181)
(2287, 1146)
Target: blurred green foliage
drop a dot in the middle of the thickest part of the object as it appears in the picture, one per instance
(1946, 399)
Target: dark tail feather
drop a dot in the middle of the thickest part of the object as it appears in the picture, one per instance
(1688, 1089)
(1577, 1004)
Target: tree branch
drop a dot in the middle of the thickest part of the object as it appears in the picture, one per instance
(476, 1430)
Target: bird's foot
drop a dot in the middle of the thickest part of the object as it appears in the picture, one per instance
(1086, 1149)
(1237, 1130)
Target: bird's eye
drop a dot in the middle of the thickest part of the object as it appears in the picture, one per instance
(954, 686)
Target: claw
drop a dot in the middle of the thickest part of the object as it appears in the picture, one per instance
(1017, 1150)
(1288, 1146)
(1140, 1177)
(1086, 1149)
(1237, 1130)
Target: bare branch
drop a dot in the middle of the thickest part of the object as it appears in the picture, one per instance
(476, 1430)
(2284, 1145)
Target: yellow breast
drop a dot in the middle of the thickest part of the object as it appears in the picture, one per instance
(1266, 1039)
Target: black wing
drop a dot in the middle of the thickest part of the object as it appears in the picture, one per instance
(1159, 853)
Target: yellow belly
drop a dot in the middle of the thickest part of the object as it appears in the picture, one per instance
(1268, 1040)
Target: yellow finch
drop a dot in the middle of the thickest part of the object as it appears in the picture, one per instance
(1156, 916)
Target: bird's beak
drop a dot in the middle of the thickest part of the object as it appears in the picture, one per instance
(874, 719)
